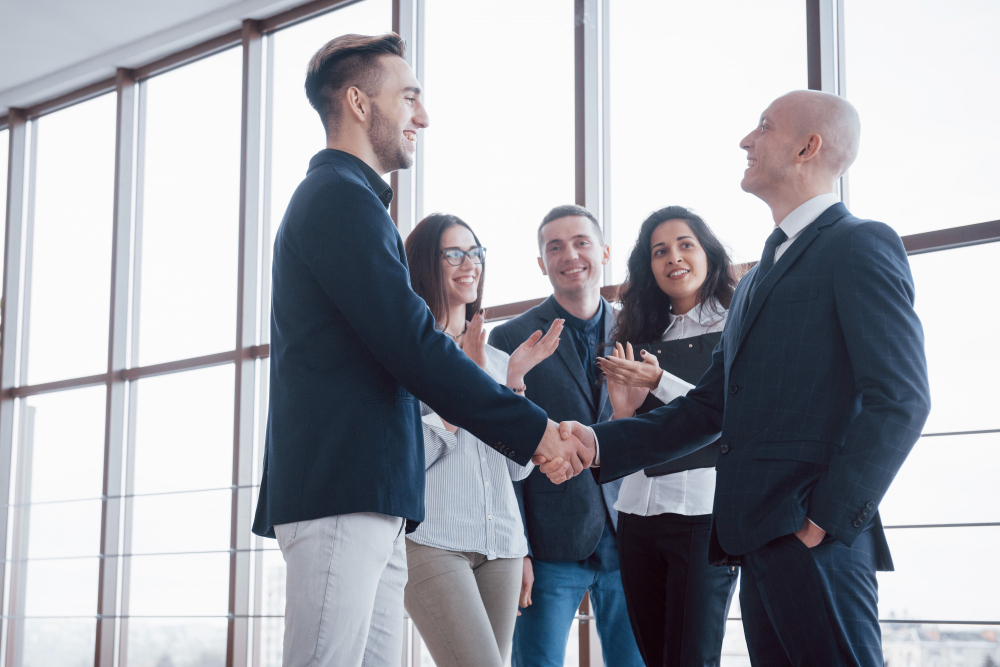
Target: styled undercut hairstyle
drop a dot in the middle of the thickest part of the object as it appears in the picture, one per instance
(645, 308)
(423, 256)
(348, 60)
(566, 211)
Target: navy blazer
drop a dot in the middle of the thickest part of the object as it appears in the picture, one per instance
(562, 522)
(351, 344)
(818, 387)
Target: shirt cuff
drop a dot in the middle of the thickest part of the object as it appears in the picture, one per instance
(670, 387)
(815, 524)
(597, 450)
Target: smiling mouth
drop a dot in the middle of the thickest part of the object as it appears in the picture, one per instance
(467, 280)
(573, 272)
(677, 274)
(751, 161)
(410, 135)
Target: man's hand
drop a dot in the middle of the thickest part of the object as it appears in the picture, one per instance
(532, 352)
(527, 580)
(622, 367)
(582, 439)
(561, 453)
(810, 534)
(473, 341)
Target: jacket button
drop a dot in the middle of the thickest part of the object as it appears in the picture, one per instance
(733, 388)
(870, 505)
(724, 448)
(857, 523)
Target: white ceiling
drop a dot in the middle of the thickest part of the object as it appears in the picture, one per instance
(51, 47)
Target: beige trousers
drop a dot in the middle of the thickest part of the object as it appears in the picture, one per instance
(463, 604)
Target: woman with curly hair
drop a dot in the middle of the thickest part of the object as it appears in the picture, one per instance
(673, 309)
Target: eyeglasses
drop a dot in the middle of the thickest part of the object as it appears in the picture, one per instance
(455, 256)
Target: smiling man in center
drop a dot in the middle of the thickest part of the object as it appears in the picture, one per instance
(570, 528)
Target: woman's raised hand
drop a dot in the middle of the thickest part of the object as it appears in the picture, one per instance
(532, 352)
(625, 398)
(473, 341)
(623, 368)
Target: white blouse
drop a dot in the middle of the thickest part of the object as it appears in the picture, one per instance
(690, 492)
(469, 500)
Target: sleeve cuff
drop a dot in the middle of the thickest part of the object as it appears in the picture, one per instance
(670, 387)
(597, 449)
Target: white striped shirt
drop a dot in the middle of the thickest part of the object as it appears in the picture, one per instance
(469, 500)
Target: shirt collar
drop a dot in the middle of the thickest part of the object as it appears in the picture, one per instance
(803, 216)
(705, 313)
(382, 189)
(576, 322)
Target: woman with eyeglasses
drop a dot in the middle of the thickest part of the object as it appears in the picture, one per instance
(674, 302)
(465, 559)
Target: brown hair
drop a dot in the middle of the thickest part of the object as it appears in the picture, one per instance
(566, 211)
(645, 311)
(348, 60)
(423, 255)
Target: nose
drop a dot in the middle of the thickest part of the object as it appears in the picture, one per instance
(420, 117)
(746, 141)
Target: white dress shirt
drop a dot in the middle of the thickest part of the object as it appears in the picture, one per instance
(795, 222)
(469, 501)
(689, 492)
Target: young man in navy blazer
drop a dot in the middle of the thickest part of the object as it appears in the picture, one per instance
(351, 344)
(819, 391)
(571, 528)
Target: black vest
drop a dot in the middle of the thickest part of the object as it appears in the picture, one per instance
(688, 359)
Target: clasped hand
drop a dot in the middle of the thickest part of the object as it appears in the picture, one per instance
(566, 450)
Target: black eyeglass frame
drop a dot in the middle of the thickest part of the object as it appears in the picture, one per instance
(478, 258)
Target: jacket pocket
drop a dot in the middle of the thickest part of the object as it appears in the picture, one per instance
(807, 451)
(797, 293)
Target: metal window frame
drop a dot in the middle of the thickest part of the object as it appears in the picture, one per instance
(826, 71)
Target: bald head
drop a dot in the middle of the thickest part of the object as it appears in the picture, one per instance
(831, 117)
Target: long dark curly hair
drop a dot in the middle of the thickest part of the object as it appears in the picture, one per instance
(645, 308)
(423, 256)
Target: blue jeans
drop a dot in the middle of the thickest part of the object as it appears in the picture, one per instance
(542, 629)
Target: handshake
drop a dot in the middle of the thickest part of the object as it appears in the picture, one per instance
(566, 449)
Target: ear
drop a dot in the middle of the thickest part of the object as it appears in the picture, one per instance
(811, 148)
(606, 255)
(358, 104)
(541, 265)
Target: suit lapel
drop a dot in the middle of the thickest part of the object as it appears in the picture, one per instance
(609, 322)
(756, 298)
(567, 352)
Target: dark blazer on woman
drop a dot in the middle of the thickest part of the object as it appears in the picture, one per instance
(351, 345)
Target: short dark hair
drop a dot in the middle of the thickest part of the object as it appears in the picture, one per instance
(566, 211)
(645, 308)
(423, 256)
(348, 60)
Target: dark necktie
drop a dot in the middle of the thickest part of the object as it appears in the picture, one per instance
(776, 238)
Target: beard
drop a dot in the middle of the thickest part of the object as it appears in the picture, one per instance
(387, 142)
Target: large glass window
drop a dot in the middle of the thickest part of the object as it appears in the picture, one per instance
(190, 210)
(70, 264)
(180, 504)
(688, 81)
(499, 150)
(927, 93)
(56, 524)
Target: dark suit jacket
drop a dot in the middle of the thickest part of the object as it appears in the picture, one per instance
(818, 387)
(563, 522)
(350, 341)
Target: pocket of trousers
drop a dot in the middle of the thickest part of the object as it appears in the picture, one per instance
(285, 533)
